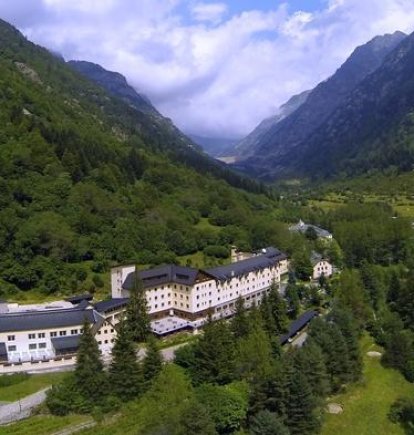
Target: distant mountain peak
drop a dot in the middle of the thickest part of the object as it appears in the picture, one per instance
(115, 83)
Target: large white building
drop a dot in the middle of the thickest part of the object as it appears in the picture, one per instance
(193, 294)
(45, 336)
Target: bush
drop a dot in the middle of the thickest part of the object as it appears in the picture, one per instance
(98, 281)
(14, 379)
(217, 251)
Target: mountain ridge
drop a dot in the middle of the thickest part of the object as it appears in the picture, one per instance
(323, 100)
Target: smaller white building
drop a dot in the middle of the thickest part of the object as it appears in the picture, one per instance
(321, 266)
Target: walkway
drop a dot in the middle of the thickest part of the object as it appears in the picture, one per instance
(22, 408)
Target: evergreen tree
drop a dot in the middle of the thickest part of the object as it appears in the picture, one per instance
(195, 420)
(292, 297)
(125, 374)
(267, 315)
(345, 322)
(152, 363)
(394, 289)
(214, 355)
(254, 357)
(309, 360)
(267, 423)
(90, 377)
(137, 318)
(301, 407)
(278, 310)
(240, 324)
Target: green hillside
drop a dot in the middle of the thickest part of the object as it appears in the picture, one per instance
(88, 181)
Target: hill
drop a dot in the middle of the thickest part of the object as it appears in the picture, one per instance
(281, 150)
(87, 181)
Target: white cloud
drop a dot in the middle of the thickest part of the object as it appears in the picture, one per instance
(210, 76)
(210, 12)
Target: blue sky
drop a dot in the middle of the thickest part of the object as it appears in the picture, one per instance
(217, 68)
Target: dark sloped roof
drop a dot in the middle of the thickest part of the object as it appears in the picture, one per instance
(111, 304)
(273, 253)
(162, 275)
(298, 324)
(66, 343)
(79, 298)
(28, 321)
(240, 268)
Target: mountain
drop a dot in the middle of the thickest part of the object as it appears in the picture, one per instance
(289, 136)
(215, 146)
(115, 83)
(87, 181)
(373, 129)
(248, 146)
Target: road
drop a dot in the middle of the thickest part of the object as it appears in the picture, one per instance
(21, 408)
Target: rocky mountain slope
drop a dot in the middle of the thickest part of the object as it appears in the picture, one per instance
(290, 136)
(250, 144)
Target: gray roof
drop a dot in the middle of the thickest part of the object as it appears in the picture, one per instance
(223, 273)
(111, 304)
(163, 275)
(29, 321)
(297, 325)
(316, 258)
(66, 343)
(301, 227)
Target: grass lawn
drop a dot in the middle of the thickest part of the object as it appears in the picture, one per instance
(42, 424)
(31, 385)
(367, 404)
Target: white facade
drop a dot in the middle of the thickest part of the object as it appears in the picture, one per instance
(206, 292)
(322, 267)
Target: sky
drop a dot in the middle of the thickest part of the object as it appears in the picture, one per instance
(216, 68)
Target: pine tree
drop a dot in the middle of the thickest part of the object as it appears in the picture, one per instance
(90, 377)
(278, 310)
(137, 318)
(152, 363)
(301, 407)
(214, 355)
(267, 315)
(125, 373)
(310, 361)
(240, 324)
(195, 420)
(267, 423)
(292, 297)
(345, 322)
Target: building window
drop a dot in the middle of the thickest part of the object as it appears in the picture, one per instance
(106, 341)
(11, 348)
(41, 335)
(53, 334)
(99, 332)
(32, 346)
(74, 331)
(42, 345)
(99, 342)
(62, 333)
(112, 330)
(155, 306)
(112, 340)
(11, 337)
(105, 331)
(32, 336)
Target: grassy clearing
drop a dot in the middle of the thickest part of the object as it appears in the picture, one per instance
(33, 384)
(176, 339)
(367, 404)
(42, 424)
